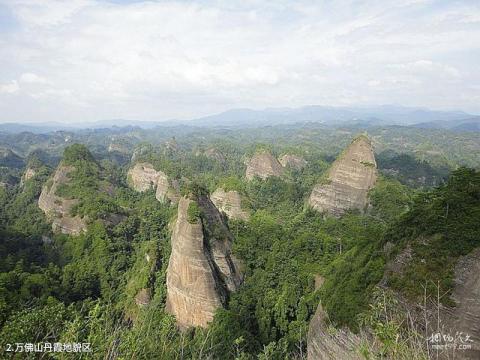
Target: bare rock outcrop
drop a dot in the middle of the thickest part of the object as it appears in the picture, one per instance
(327, 343)
(348, 181)
(324, 342)
(292, 161)
(464, 318)
(58, 209)
(144, 177)
(201, 270)
(230, 202)
(263, 165)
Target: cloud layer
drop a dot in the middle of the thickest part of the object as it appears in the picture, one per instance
(83, 60)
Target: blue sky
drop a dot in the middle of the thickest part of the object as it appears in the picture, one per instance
(85, 60)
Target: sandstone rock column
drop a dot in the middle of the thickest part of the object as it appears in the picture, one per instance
(348, 180)
(201, 270)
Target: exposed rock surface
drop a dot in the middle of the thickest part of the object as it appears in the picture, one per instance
(143, 177)
(465, 316)
(324, 343)
(230, 202)
(201, 270)
(293, 161)
(349, 179)
(58, 209)
(328, 343)
(263, 165)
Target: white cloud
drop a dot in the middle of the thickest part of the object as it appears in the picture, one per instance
(156, 60)
(10, 87)
(32, 79)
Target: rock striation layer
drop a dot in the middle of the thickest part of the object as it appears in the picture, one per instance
(230, 202)
(263, 165)
(348, 181)
(144, 177)
(292, 161)
(330, 344)
(58, 209)
(201, 270)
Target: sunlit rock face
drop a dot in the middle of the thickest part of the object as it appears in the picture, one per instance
(230, 202)
(58, 209)
(201, 271)
(348, 181)
(292, 161)
(263, 165)
(143, 177)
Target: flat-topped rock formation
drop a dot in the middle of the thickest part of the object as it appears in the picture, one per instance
(201, 270)
(263, 165)
(348, 180)
(58, 209)
(143, 177)
(230, 202)
(292, 161)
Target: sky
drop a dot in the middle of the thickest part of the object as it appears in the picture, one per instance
(86, 60)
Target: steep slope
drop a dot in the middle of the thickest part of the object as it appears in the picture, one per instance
(348, 181)
(143, 177)
(78, 192)
(263, 165)
(201, 270)
(464, 318)
(58, 209)
(324, 343)
(437, 250)
(9, 159)
(230, 202)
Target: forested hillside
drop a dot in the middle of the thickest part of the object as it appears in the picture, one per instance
(109, 283)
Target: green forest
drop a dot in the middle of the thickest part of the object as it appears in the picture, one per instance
(60, 288)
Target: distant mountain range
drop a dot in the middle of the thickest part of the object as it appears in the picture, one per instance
(329, 115)
(470, 124)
